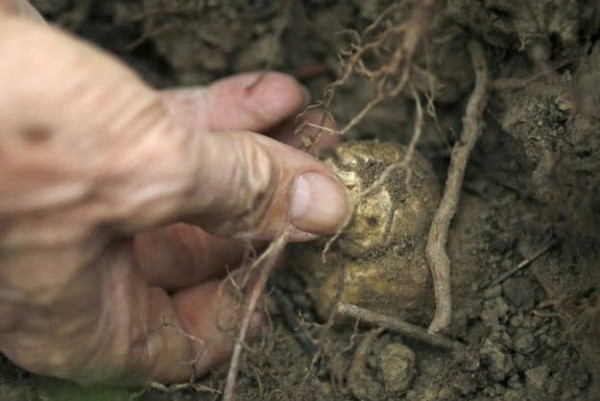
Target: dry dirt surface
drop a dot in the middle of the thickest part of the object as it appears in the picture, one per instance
(524, 243)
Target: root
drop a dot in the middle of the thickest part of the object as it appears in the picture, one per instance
(262, 266)
(191, 383)
(526, 262)
(361, 384)
(192, 362)
(410, 151)
(174, 388)
(399, 326)
(392, 45)
(438, 233)
(405, 39)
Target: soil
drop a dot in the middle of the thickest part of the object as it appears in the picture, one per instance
(531, 192)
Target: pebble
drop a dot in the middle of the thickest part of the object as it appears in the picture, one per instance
(524, 342)
(397, 365)
(494, 310)
(536, 377)
(516, 320)
(500, 364)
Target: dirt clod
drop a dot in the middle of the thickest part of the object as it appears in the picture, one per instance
(397, 366)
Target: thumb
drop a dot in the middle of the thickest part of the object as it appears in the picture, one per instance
(250, 186)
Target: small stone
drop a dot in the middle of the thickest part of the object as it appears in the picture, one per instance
(488, 392)
(537, 377)
(494, 311)
(532, 322)
(516, 321)
(524, 341)
(500, 364)
(564, 104)
(521, 362)
(397, 366)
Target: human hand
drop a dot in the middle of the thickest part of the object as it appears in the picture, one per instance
(104, 273)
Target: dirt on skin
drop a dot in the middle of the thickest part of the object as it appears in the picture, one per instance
(531, 189)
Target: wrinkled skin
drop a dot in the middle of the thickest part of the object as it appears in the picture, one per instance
(105, 273)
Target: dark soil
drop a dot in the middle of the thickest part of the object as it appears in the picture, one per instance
(533, 180)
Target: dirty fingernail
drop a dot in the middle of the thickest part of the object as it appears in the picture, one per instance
(319, 204)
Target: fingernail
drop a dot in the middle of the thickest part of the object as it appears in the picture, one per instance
(319, 204)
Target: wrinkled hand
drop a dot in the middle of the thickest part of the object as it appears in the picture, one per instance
(104, 273)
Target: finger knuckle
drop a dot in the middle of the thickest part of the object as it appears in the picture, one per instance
(255, 176)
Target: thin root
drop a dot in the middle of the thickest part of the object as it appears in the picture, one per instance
(392, 73)
(399, 326)
(549, 245)
(263, 266)
(437, 257)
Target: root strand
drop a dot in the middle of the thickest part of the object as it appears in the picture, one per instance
(438, 233)
(263, 266)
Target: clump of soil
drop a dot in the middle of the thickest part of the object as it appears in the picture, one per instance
(531, 192)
